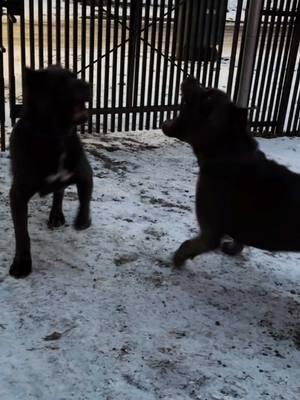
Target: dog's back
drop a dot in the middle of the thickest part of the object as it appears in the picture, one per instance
(259, 200)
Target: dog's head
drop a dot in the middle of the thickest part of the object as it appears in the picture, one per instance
(55, 94)
(207, 120)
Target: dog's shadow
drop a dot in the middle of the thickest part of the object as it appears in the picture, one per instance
(246, 292)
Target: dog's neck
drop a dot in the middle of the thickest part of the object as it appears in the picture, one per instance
(49, 130)
(234, 147)
(247, 151)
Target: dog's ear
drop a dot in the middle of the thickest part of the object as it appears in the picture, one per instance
(189, 88)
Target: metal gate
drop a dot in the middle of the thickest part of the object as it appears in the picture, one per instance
(134, 53)
(2, 98)
(274, 100)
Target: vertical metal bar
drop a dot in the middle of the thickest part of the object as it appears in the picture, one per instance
(240, 55)
(188, 54)
(235, 40)
(83, 46)
(137, 60)
(272, 61)
(220, 37)
(23, 45)
(83, 40)
(264, 74)
(41, 33)
(213, 41)
(207, 50)
(173, 55)
(99, 62)
(67, 33)
(49, 31)
(166, 60)
(262, 34)
(295, 128)
(202, 29)
(2, 99)
(280, 62)
(158, 60)
(107, 64)
(151, 61)
(11, 70)
(91, 61)
(58, 32)
(179, 52)
(131, 59)
(252, 26)
(115, 62)
(31, 34)
(122, 62)
(285, 54)
(194, 22)
(75, 35)
(296, 125)
(293, 106)
(294, 47)
(144, 60)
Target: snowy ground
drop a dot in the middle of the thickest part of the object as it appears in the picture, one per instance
(133, 328)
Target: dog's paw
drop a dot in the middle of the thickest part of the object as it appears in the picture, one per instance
(82, 223)
(56, 219)
(20, 268)
(231, 247)
(182, 254)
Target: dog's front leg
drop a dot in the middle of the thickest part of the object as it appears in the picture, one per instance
(56, 217)
(193, 247)
(21, 266)
(84, 188)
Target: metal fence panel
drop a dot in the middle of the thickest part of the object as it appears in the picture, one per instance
(274, 78)
(135, 53)
(2, 98)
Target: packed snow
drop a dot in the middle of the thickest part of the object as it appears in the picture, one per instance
(105, 316)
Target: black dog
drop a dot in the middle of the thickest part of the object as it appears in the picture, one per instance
(240, 193)
(47, 155)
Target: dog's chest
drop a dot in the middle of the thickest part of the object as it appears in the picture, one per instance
(61, 173)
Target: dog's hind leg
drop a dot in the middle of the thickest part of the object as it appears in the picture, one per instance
(84, 188)
(56, 216)
(22, 265)
(193, 247)
(231, 247)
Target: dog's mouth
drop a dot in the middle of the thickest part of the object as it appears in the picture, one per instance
(80, 112)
